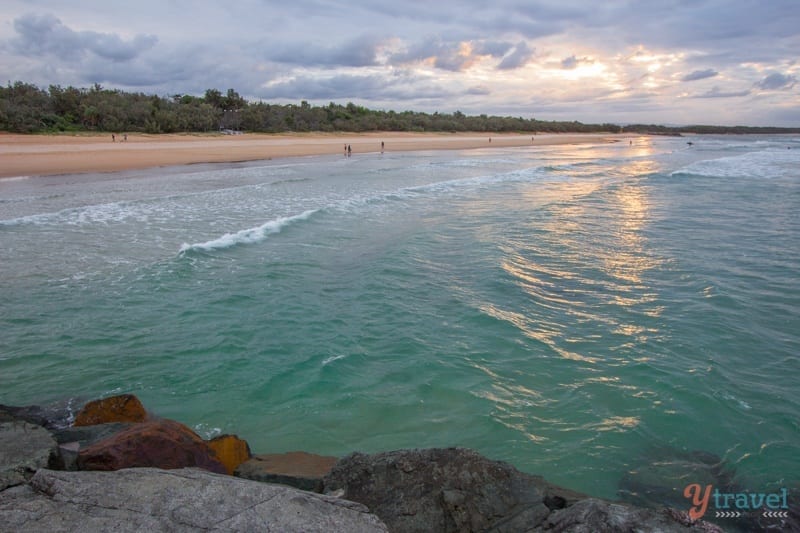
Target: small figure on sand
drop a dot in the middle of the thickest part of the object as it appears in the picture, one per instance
(125, 137)
(381, 146)
(349, 150)
(113, 138)
(490, 139)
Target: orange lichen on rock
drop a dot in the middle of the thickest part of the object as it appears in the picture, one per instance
(231, 451)
(122, 408)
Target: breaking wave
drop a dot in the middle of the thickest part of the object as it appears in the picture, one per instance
(247, 236)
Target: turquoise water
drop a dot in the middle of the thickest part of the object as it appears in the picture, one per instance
(563, 308)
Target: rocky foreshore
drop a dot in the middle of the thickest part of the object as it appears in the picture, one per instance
(117, 468)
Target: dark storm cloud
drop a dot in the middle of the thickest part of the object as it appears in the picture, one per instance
(700, 75)
(46, 35)
(777, 81)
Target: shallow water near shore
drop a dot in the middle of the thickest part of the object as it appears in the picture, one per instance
(563, 308)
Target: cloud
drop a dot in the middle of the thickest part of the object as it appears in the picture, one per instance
(519, 57)
(452, 56)
(370, 87)
(40, 35)
(428, 56)
(492, 48)
(571, 62)
(479, 90)
(445, 55)
(777, 81)
(359, 52)
(700, 75)
(716, 92)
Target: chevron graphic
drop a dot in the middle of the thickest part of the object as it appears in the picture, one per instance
(728, 514)
(776, 514)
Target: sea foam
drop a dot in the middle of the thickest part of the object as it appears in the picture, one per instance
(247, 236)
(763, 164)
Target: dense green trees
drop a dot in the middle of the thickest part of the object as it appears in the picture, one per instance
(25, 108)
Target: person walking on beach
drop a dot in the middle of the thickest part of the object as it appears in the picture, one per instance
(349, 150)
(381, 146)
(113, 138)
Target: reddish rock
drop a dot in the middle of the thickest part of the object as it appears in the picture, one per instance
(160, 443)
(122, 408)
(297, 469)
(231, 451)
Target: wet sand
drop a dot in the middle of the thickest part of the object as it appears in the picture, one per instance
(43, 155)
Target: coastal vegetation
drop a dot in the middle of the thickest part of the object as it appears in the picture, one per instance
(26, 108)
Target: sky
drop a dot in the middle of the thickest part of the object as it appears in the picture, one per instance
(672, 62)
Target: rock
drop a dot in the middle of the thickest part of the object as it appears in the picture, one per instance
(160, 443)
(122, 408)
(69, 455)
(659, 477)
(592, 515)
(87, 435)
(53, 416)
(24, 448)
(231, 451)
(188, 500)
(73, 439)
(454, 489)
(299, 469)
(435, 490)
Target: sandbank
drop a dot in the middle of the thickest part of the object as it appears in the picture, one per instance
(43, 155)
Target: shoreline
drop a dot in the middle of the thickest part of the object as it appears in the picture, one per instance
(48, 155)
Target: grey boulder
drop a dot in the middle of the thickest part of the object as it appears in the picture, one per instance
(149, 499)
(440, 490)
(24, 448)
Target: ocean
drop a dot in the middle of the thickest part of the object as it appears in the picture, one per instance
(574, 310)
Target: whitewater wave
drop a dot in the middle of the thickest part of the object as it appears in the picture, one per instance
(78, 216)
(770, 163)
(247, 236)
(331, 359)
(259, 233)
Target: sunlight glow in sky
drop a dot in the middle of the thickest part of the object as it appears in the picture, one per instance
(621, 61)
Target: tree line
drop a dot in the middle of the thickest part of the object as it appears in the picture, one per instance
(26, 108)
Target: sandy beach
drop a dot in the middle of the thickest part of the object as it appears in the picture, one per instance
(43, 155)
